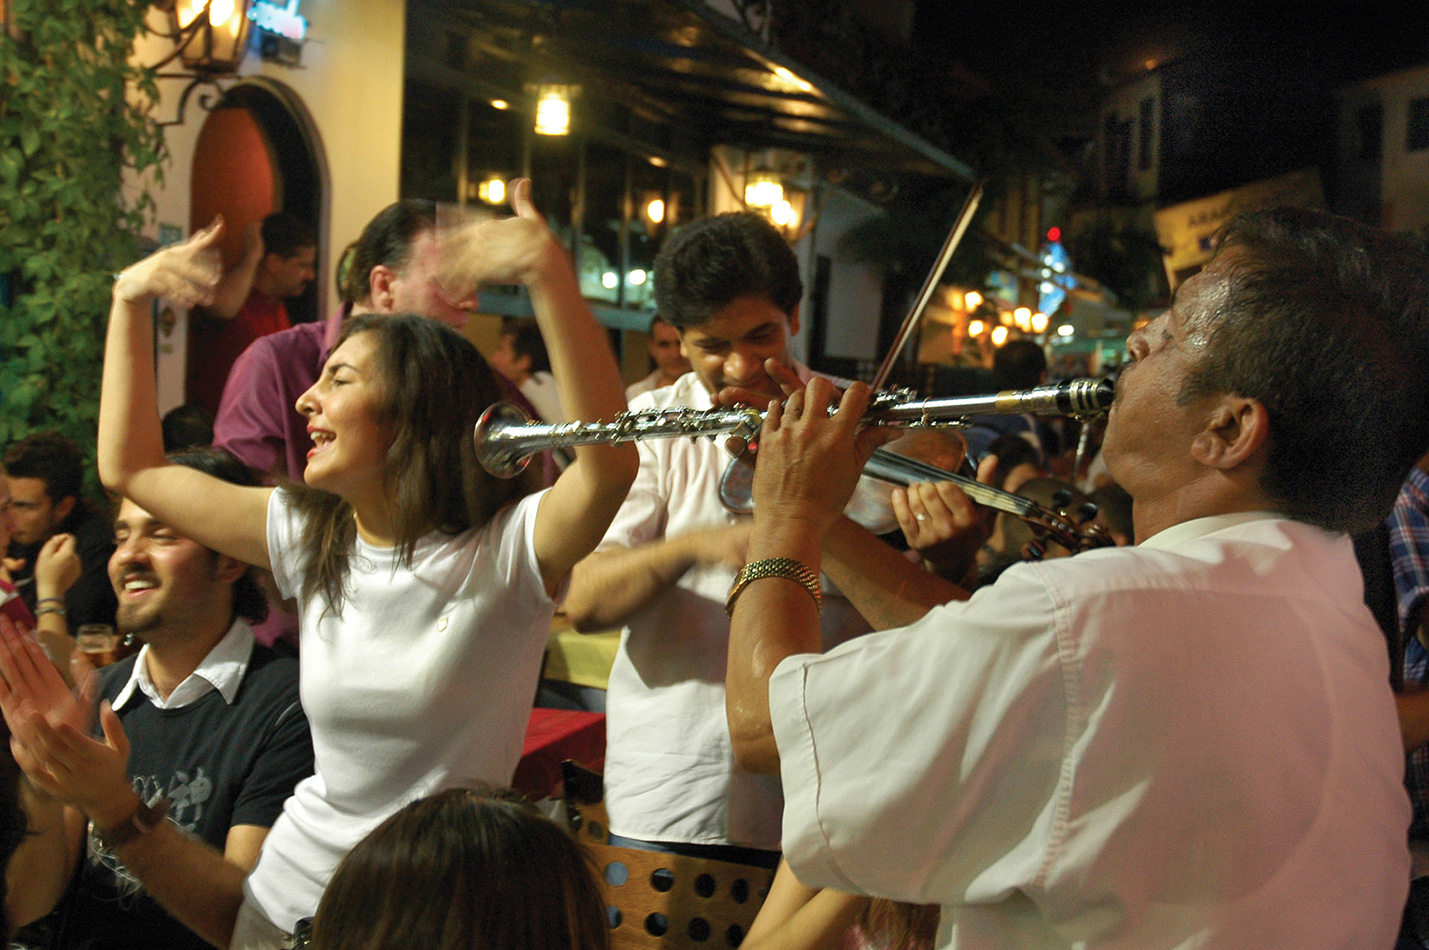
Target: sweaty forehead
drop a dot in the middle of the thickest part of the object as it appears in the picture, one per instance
(1200, 304)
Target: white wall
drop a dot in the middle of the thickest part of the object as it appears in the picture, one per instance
(350, 83)
(1405, 183)
(855, 290)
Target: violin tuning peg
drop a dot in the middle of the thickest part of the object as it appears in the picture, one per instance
(1061, 499)
(1087, 511)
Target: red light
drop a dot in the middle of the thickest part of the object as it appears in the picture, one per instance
(1054, 234)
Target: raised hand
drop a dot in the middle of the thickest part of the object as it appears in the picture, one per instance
(185, 274)
(57, 566)
(514, 250)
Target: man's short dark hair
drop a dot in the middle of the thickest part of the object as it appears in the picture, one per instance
(387, 240)
(52, 458)
(526, 340)
(1011, 450)
(1326, 324)
(712, 261)
(185, 426)
(248, 600)
(286, 235)
(1018, 364)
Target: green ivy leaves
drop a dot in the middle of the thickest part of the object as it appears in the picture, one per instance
(73, 117)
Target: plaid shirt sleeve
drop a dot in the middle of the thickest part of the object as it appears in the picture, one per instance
(1409, 551)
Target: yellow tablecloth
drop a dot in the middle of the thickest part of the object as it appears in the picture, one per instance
(580, 658)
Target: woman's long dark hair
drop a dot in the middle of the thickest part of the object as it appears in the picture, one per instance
(463, 869)
(434, 387)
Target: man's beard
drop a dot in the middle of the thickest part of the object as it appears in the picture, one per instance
(133, 620)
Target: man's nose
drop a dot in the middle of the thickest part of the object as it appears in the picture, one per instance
(742, 366)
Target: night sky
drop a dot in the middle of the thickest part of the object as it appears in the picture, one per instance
(1091, 43)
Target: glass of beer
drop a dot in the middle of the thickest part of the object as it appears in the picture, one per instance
(99, 642)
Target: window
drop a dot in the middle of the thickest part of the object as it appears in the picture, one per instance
(1418, 137)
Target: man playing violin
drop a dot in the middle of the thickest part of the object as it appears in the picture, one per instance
(730, 286)
(1188, 742)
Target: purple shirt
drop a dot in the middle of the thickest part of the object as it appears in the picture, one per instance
(257, 419)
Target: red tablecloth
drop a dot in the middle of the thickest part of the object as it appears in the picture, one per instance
(552, 736)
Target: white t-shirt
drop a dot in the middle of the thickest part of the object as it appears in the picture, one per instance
(670, 773)
(424, 682)
(1190, 743)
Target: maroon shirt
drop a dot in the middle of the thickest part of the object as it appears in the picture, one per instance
(215, 345)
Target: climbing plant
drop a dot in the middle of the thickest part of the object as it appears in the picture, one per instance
(73, 117)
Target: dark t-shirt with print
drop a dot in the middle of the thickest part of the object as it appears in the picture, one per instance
(219, 765)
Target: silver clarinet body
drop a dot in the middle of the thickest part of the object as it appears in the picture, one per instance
(506, 439)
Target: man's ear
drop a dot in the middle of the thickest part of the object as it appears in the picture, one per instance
(1234, 432)
(61, 509)
(379, 283)
(227, 569)
(794, 321)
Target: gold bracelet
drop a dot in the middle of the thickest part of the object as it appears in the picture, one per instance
(785, 567)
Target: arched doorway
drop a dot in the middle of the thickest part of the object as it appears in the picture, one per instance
(258, 152)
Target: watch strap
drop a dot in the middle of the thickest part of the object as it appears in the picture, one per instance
(143, 820)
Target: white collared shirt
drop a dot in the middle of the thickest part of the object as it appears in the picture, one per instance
(222, 669)
(1191, 742)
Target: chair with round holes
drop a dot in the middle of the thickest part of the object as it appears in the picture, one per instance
(657, 900)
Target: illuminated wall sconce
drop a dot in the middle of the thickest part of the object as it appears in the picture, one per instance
(492, 191)
(500, 104)
(212, 35)
(976, 327)
(782, 213)
(763, 190)
(972, 300)
(1039, 322)
(553, 108)
(1022, 316)
(999, 335)
(655, 210)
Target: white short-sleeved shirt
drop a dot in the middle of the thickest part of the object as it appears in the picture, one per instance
(1190, 743)
(670, 773)
(423, 682)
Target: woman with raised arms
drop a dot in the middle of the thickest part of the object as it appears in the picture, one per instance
(425, 587)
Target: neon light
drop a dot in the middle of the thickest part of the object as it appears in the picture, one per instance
(284, 21)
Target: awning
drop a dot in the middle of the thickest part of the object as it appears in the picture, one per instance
(672, 63)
